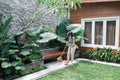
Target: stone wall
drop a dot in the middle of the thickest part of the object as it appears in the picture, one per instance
(23, 10)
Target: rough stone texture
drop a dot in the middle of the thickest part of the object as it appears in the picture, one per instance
(23, 10)
(34, 64)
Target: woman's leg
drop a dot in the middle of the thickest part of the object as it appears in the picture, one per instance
(68, 54)
(72, 53)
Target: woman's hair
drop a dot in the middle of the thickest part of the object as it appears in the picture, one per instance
(70, 34)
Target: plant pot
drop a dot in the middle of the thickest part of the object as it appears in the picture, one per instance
(49, 50)
(34, 64)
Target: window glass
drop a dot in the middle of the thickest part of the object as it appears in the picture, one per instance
(98, 32)
(88, 32)
(101, 32)
(110, 36)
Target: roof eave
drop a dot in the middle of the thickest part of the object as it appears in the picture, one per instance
(95, 1)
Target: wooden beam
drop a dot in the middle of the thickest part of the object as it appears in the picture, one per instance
(53, 55)
(93, 1)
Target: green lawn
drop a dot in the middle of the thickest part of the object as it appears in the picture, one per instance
(86, 71)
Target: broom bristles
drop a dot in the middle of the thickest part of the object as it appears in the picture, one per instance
(60, 59)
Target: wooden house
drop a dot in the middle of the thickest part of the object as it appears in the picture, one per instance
(101, 22)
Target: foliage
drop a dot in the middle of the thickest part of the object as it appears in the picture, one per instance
(10, 62)
(61, 30)
(47, 37)
(117, 57)
(59, 5)
(65, 26)
(61, 8)
(37, 35)
(105, 54)
(35, 56)
(77, 31)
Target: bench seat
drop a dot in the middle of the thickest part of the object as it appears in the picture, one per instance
(53, 54)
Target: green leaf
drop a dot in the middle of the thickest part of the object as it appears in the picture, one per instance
(5, 29)
(6, 64)
(15, 63)
(9, 41)
(74, 27)
(19, 68)
(35, 45)
(7, 71)
(2, 59)
(18, 33)
(12, 51)
(61, 39)
(25, 52)
(47, 36)
(29, 45)
(33, 31)
(61, 30)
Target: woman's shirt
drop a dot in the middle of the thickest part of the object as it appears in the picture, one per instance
(71, 41)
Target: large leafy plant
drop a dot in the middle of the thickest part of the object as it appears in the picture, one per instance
(65, 26)
(77, 31)
(37, 35)
(10, 62)
(104, 54)
(61, 30)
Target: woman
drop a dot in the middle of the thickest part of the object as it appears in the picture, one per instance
(71, 48)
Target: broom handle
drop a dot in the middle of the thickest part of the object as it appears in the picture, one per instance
(63, 50)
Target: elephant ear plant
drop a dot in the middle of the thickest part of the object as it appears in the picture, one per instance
(37, 35)
(10, 62)
(67, 25)
(61, 30)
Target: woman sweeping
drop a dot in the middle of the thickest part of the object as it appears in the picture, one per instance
(71, 48)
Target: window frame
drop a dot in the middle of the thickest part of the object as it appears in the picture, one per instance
(104, 19)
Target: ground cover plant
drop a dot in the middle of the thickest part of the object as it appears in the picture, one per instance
(86, 71)
(105, 54)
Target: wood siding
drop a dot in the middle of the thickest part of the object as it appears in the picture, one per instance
(92, 1)
(95, 10)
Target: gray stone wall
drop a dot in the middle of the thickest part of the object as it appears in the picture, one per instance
(23, 10)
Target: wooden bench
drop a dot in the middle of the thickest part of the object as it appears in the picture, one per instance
(53, 55)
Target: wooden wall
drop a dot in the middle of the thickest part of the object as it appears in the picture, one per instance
(91, 1)
(95, 10)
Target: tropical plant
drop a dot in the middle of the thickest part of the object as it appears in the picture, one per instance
(117, 56)
(61, 30)
(10, 62)
(108, 54)
(67, 25)
(104, 54)
(100, 54)
(89, 52)
(37, 35)
(77, 31)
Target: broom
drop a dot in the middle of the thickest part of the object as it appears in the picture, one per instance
(60, 59)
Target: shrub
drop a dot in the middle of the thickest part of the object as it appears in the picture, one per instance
(105, 54)
(10, 62)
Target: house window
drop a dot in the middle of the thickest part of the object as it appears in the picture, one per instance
(101, 32)
(88, 31)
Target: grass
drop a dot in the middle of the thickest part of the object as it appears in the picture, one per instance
(32, 70)
(86, 71)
